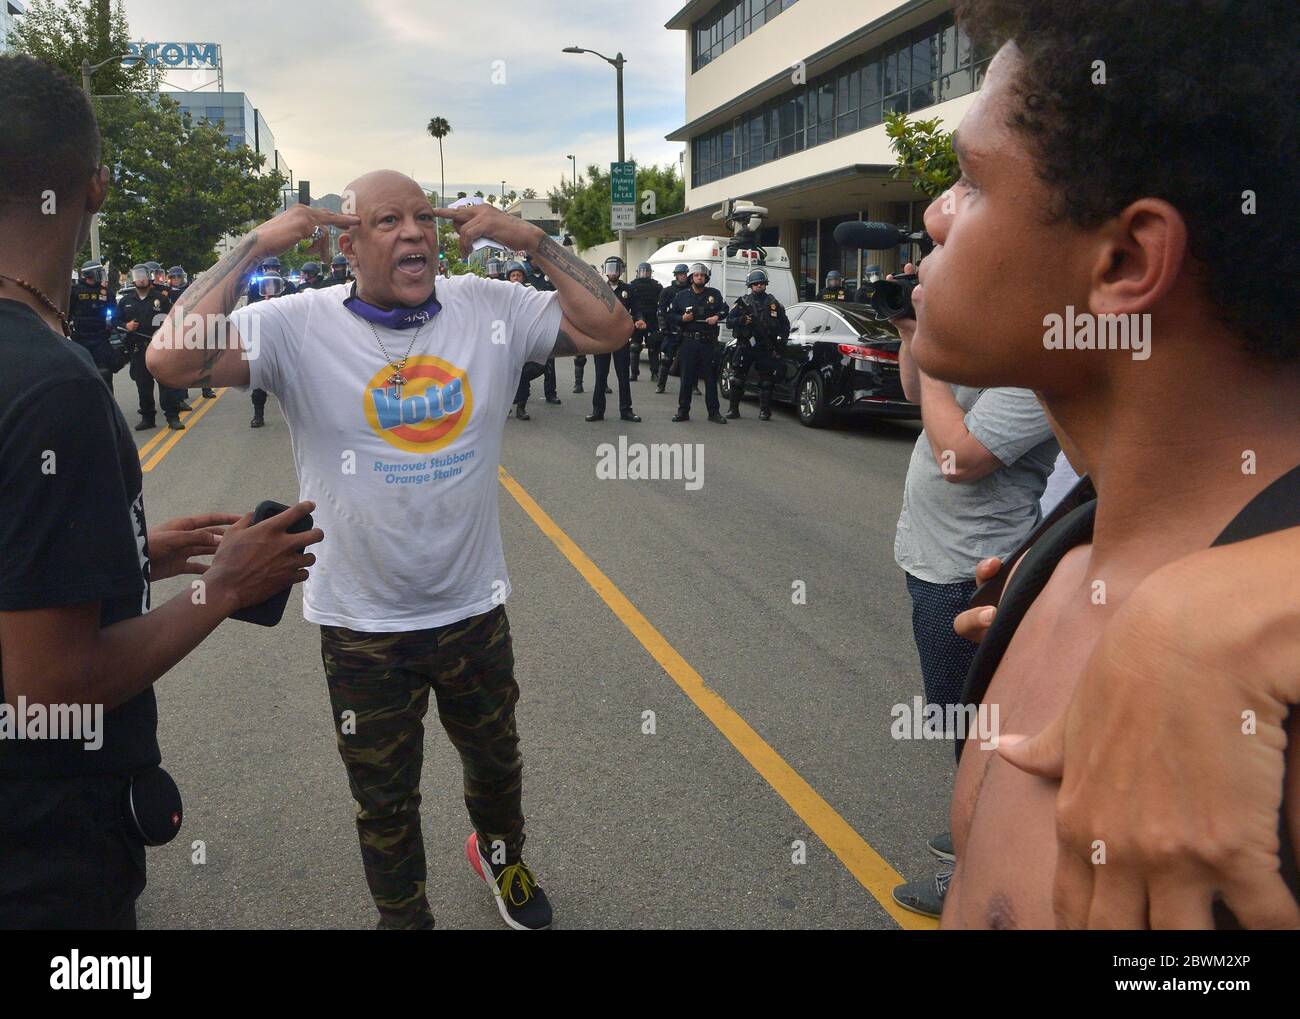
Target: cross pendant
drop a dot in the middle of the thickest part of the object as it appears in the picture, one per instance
(397, 382)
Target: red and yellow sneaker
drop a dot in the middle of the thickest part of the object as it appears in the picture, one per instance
(518, 896)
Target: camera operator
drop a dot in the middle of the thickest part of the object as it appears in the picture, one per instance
(761, 327)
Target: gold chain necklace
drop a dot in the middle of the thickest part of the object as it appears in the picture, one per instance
(63, 319)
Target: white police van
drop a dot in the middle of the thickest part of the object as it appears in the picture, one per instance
(728, 273)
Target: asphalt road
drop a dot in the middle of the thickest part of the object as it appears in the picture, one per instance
(678, 828)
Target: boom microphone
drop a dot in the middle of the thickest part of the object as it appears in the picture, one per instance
(879, 236)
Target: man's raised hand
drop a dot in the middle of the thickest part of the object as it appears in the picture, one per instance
(477, 222)
(299, 222)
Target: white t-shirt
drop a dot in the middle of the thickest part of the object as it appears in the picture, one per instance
(406, 492)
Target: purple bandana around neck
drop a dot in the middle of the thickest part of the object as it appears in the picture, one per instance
(401, 317)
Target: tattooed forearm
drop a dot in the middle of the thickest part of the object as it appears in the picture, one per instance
(558, 259)
(565, 346)
(226, 277)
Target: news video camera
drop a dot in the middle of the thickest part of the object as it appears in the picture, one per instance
(744, 219)
(891, 298)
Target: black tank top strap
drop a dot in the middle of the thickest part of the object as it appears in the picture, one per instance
(1032, 574)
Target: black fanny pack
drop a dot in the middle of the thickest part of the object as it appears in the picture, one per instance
(151, 807)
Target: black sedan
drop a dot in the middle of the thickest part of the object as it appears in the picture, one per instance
(840, 359)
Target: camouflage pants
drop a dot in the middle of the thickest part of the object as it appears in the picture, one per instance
(384, 679)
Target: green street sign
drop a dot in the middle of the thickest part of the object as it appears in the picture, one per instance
(622, 183)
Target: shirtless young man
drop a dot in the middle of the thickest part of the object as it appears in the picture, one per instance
(1124, 192)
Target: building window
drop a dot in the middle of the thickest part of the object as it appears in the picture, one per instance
(728, 23)
(929, 65)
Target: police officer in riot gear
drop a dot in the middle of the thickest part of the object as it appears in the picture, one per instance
(761, 327)
(669, 335)
(517, 272)
(312, 278)
(177, 282)
(621, 358)
(872, 276)
(834, 289)
(645, 313)
(90, 313)
(267, 282)
(696, 311)
(139, 313)
(580, 362)
(338, 271)
(495, 269)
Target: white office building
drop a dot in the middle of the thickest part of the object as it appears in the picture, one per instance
(785, 102)
(9, 10)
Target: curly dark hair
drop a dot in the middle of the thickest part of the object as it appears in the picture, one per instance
(1198, 107)
(49, 139)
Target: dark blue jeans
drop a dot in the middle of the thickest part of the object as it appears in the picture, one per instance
(945, 657)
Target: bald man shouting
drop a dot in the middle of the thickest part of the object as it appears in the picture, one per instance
(396, 393)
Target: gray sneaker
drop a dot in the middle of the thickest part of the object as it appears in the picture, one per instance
(925, 896)
(941, 846)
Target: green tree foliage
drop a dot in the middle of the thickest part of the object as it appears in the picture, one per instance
(586, 208)
(179, 190)
(924, 153)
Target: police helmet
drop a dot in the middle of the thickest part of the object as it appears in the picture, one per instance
(176, 272)
(874, 274)
(271, 263)
(270, 285)
(140, 273)
(339, 260)
(495, 266)
(681, 269)
(311, 268)
(702, 268)
(757, 276)
(515, 267)
(93, 269)
(153, 266)
(614, 266)
(833, 276)
(644, 271)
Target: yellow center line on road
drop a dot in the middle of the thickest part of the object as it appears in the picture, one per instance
(164, 432)
(869, 868)
(189, 420)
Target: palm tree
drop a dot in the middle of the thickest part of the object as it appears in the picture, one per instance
(439, 128)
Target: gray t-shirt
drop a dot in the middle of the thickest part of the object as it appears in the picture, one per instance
(945, 529)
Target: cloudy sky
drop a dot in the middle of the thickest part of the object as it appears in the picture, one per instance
(348, 87)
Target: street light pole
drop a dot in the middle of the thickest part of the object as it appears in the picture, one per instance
(87, 69)
(574, 161)
(617, 62)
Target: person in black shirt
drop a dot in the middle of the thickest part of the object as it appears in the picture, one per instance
(76, 556)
